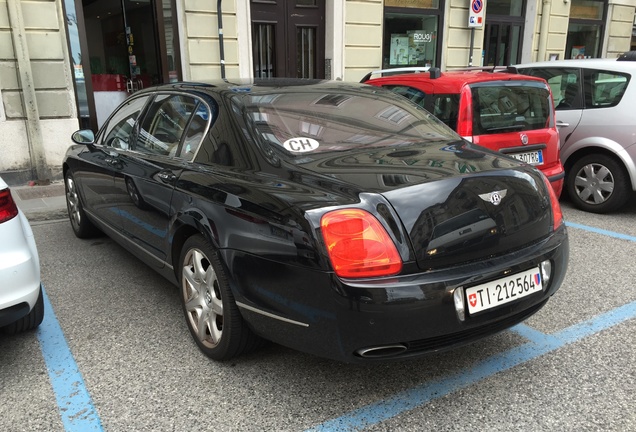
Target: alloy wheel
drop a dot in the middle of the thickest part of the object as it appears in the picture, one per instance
(72, 202)
(202, 298)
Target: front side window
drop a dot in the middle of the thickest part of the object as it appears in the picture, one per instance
(117, 133)
(499, 109)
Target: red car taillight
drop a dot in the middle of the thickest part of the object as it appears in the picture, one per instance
(465, 115)
(557, 214)
(358, 245)
(8, 209)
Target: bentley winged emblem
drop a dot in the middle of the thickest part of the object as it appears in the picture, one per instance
(494, 197)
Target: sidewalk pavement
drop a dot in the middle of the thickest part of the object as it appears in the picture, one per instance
(41, 202)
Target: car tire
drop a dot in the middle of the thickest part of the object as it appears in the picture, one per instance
(598, 183)
(82, 226)
(211, 313)
(28, 322)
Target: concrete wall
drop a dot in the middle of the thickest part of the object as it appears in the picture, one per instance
(51, 76)
(201, 39)
(620, 22)
(362, 38)
(456, 42)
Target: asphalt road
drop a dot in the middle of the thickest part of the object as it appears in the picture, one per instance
(114, 354)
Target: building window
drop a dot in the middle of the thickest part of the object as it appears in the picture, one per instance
(411, 33)
(585, 31)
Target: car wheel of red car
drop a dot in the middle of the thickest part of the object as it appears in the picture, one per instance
(598, 183)
(82, 226)
(28, 322)
(212, 315)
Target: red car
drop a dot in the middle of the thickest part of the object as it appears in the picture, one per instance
(509, 113)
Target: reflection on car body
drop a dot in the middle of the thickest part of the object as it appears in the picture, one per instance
(324, 247)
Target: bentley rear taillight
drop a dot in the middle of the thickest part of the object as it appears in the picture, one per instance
(8, 209)
(557, 214)
(358, 245)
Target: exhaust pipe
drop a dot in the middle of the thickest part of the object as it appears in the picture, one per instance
(382, 351)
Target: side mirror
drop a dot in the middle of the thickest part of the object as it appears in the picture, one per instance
(84, 136)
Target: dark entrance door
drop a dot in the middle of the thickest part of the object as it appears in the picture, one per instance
(288, 38)
(502, 43)
(121, 46)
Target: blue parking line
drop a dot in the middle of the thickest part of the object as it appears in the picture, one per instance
(74, 403)
(539, 345)
(601, 231)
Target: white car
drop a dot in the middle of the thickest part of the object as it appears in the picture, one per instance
(21, 301)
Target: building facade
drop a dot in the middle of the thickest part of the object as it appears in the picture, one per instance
(65, 64)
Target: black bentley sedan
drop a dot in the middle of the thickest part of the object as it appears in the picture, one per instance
(334, 218)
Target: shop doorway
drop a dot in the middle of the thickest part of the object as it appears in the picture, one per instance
(118, 48)
(288, 38)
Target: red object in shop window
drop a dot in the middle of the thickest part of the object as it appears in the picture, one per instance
(109, 82)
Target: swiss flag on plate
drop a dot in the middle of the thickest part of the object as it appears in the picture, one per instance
(472, 298)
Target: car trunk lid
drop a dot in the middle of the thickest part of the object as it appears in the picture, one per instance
(462, 219)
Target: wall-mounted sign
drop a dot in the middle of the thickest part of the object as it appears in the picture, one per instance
(476, 13)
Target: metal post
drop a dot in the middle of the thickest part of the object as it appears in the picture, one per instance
(472, 44)
(33, 126)
(219, 13)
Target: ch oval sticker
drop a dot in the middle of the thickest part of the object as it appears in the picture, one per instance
(301, 145)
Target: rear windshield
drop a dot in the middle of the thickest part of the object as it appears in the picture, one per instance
(304, 124)
(501, 108)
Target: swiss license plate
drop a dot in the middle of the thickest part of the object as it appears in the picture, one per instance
(502, 291)
(531, 157)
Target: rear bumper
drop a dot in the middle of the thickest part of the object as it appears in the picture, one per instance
(394, 318)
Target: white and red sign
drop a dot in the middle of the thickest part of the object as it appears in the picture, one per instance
(476, 13)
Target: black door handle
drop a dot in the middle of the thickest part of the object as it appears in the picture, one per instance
(166, 176)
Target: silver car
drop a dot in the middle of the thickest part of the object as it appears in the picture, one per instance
(595, 109)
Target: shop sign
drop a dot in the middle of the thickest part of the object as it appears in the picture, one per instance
(424, 4)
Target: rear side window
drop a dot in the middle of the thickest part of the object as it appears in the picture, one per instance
(414, 95)
(164, 124)
(446, 108)
(506, 108)
(443, 106)
(606, 88)
(566, 86)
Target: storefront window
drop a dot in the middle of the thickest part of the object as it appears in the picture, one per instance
(583, 41)
(410, 40)
(585, 30)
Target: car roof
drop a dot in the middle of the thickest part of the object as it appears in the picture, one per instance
(450, 81)
(612, 64)
(250, 86)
